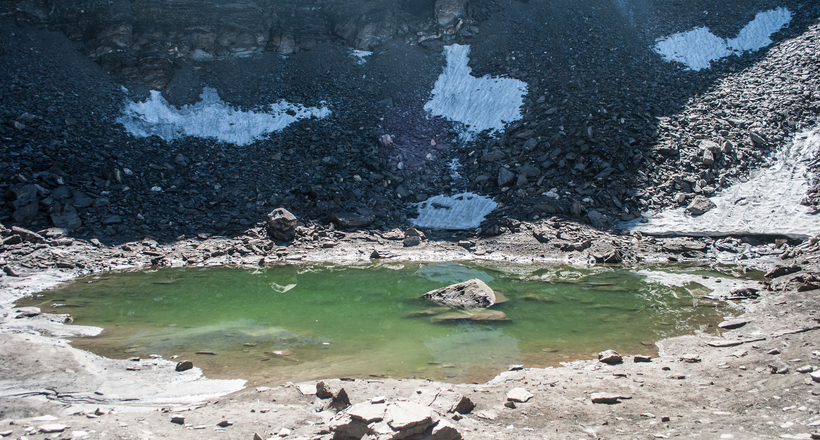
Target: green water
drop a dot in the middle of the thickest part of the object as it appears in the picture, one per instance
(366, 320)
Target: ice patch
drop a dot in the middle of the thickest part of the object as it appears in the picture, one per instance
(485, 103)
(697, 48)
(767, 204)
(460, 211)
(719, 286)
(211, 118)
(360, 56)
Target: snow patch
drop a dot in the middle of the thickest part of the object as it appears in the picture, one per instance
(767, 204)
(697, 48)
(485, 103)
(211, 118)
(460, 211)
(718, 286)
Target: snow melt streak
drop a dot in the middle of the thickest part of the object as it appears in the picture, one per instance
(768, 203)
(210, 118)
(696, 49)
(460, 211)
(485, 103)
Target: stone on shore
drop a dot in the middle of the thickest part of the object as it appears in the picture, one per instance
(281, 224)
(610, 357)
(519, 395)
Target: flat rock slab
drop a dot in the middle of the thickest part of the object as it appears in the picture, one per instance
(367, 412)
(519, 395)
(52, 427)
(405, 416)
(732, 324)
(608, 398)
(471, 293)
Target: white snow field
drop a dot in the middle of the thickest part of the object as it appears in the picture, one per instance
(485, 103)
(697, 48)
(459, 211)
(767, 204)
(212, 118)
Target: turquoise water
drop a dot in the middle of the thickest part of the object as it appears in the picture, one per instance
(301, 322)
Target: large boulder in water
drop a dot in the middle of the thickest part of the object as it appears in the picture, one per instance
(471, 294)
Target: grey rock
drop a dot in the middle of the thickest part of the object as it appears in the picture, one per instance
(641, 358)
(323, 390)
(184, 366)
(757, 139)
(472, 293)
(448, 11)
(608, 398)
(281, 224)
(519, 395)
(52, 428)
(505, 177)
(80, 199)
(610, 357)
(352, 220)
(340, 399)
(112, 220)
(733, 324)
(598, 219)
(410, 418)
(699, 205)
(493, 156)
(413, 240)
(529, 171)
(66, 217)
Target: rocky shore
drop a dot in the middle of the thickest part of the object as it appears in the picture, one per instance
(609, 132)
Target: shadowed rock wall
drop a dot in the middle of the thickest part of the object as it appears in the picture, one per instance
(139, 41)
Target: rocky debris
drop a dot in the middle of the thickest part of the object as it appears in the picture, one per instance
(392, 421)
(281, 224)
(610, 357)
(641, 358)
(469, 294)
(779, 271)
(179, 420)
(699, 205)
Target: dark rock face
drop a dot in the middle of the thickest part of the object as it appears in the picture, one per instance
(142, 42)
(600, 139)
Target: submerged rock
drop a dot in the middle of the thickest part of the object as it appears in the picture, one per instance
(472, 294)
(472, 315)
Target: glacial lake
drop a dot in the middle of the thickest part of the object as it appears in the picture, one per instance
(309, 321)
